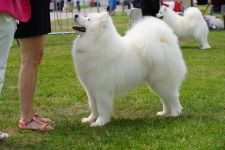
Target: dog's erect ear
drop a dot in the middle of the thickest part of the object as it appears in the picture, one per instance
(104, 13)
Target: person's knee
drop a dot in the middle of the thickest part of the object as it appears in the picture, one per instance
(37, 58)
(33, 61)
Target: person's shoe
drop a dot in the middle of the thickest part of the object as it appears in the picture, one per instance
(3, 135)
(34, 124)
(43, 119)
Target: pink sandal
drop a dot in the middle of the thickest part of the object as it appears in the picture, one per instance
(23, 124)
(36, 115)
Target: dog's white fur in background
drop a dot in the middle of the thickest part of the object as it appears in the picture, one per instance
(108, 65)
(214, 21)
(192, 24)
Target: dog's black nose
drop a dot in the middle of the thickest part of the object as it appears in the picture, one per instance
(76, 16)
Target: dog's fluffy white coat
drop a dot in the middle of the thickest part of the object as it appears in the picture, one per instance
(192, 24)
(108, 65)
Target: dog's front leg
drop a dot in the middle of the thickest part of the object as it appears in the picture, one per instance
(93, 106)
(105, 109)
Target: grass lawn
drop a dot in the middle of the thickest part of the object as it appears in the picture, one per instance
(60, 96)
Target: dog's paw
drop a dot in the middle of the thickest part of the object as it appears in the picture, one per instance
(99, 122)
(87, 120)
(207, 46)
(161, 113)
(90, 119)
(173, 114)
(176, 112)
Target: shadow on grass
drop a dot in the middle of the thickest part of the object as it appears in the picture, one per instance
(191, 47)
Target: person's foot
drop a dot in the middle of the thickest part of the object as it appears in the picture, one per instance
(3, 135)
(34, 124)
(43, 119)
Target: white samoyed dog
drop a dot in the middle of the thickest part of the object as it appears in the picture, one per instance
(191, 24)
(108, 65)
(214, 22)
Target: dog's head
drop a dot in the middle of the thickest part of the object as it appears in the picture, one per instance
(91, 24)
(162, 12)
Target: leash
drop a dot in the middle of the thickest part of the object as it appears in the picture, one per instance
(206, 9)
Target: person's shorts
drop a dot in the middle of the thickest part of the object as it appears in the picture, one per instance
(39, 22)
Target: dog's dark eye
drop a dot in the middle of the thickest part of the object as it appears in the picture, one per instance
(89, 19)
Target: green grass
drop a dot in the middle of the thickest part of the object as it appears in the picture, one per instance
(60, 96)
(67, 24)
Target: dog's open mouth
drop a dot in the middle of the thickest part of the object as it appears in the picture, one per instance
(79, 28)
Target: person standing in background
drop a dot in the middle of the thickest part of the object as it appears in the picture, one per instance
(112, 7)
(150, 7)
(10, 11)
(128, 3)
(61, 5)
(78, 5)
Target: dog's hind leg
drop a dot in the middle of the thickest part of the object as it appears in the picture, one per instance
(203, 39)
(94, 112)
(105, 108)
(169, 98)
(204, 42)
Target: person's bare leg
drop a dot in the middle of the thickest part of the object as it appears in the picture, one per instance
(32, 49)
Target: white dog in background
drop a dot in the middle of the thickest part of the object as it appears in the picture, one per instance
(108, 65)
(214, 22)
(192, 24)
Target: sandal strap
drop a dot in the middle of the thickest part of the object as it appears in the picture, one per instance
(47, 119)
(23, 124)
(44, 127)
